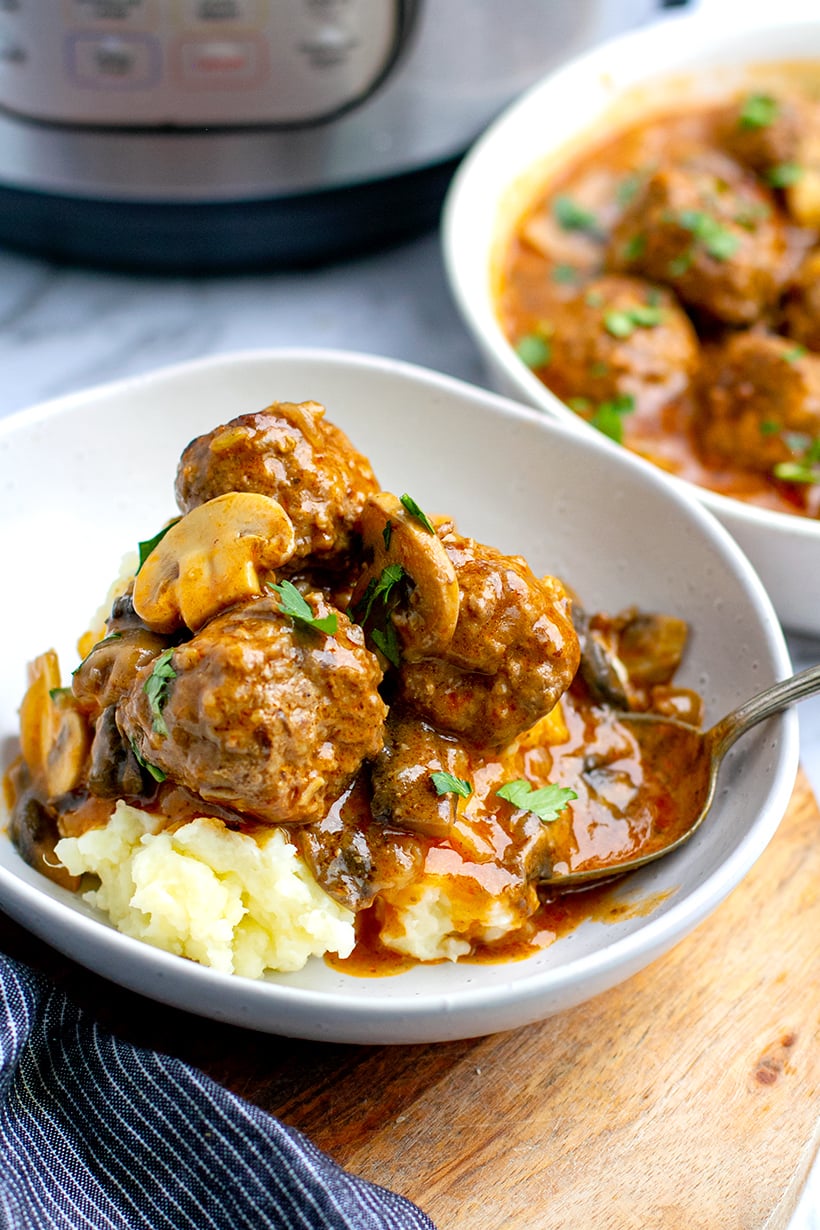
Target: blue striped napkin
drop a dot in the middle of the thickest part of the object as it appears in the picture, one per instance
(97, 1134)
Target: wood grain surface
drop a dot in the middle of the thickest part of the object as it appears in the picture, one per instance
(686, 1099)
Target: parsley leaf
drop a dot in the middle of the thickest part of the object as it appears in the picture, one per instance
(414, 511)
(622, 322)
(379, 589)
(573, 217)
(445, 783)
(784, 175)
(547, 803)
(719, 242)
(533, 350)
(566, 274)
(758, 111)
(608, 418)
(145, 548)
(387, 642)
(294, 605)
(387, 535)
(156, 689)
(156, 773)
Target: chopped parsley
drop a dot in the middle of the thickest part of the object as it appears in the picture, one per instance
(546, 803)
(156, 773)
(717, 240)
(156, 689)
(383, 590)
(571, 216)
(380, 588)
(769, 427)
(412, 507)
(294, 605)
(634, 247)
(804, 468)
(387, 642)
(795, 354)
(758, 111)
(784, 174)
(565, 274)
(534, 350)
(680, 265)
(387, 535)
(56, 693)
(627, 188)
(145, 548)
(608, 418)
(446, 783)
(622, 322)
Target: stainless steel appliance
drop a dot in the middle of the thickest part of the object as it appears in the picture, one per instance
(224, 134)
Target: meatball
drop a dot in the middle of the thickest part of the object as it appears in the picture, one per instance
(760, 396)
(620, 336)
(262, 715)
(289, 452)
(710, 231)
(763, 131)
(513, 654)
(801, 306)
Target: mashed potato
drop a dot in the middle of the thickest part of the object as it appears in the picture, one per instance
(246, 903)
(242, 904)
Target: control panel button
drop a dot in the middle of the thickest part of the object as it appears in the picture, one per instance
(249, 13)
(134, 13)
(231, 62)
(114, 61)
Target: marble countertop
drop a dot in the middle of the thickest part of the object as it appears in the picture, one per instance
(64, 329)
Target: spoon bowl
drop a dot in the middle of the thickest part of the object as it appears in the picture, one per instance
(695, 757)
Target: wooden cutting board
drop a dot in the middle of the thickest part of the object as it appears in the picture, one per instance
(686, 1099)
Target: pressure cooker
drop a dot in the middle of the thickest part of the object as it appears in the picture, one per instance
(206, 135)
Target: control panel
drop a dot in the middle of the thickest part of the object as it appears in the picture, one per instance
(194, 63)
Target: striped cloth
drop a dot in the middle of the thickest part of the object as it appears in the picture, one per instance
(96, 1134)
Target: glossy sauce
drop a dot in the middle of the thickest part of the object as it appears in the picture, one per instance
(633, 794)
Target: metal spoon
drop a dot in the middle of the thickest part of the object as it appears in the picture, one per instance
(698, 753)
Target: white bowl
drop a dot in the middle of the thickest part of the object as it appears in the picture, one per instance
(679, 57)
(87, 476)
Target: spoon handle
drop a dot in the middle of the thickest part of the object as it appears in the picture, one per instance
(729, 729)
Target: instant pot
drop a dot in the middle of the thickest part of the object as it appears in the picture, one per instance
(225, 134)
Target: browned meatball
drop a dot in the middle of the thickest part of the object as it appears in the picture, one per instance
(801, 306)
(513, 654)
(262, 715)
(710, 231)
(760, 394)
(762, 130)
(620, 336)
(292, 453)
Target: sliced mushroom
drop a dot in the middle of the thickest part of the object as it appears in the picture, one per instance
(211, 559)
(54, 735)
(426, 619)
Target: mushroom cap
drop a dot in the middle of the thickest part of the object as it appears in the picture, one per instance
(213, 557)
(427, 621)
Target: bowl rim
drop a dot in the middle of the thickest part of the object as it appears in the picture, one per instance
(691, 32)
(350, 1017)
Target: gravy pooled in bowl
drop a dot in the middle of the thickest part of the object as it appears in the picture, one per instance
(664, 286)
(317, 720)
